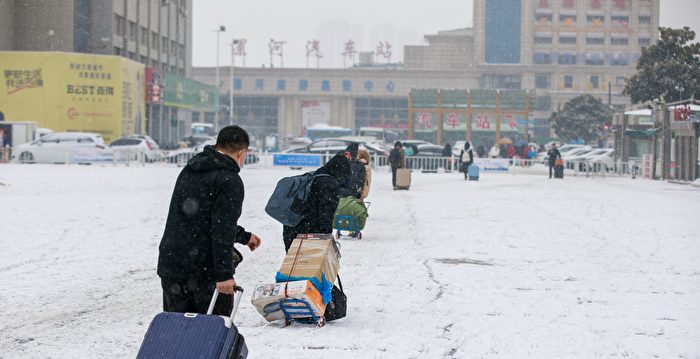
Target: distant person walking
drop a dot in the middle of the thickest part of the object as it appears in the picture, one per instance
(396, 160)
(554, 155)
(481, 151)
(447, 152)
(466, 158)
(495, 152)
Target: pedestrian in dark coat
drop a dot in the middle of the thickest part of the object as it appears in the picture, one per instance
(481, 151)
(466, 158)
(319, 209)
(196, 253)
(554, 155)
(396, 160)
(447, 152)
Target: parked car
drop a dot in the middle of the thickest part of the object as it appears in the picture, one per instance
(182, 155)
(335, 145)
(64, 147)
(134, 147)
(564, 150)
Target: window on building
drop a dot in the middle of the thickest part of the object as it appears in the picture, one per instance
(347, 85)
(237, 84)
(155, 41)
(303, 85)
(120, 25)
(595, 81)
(620, 20)
(281, 85)
(543, 19)
(132, 55)
(501, 81)
(164, 42)
(544, 103)
(133, 31)
(182, 51)
(542, 58)
(117, 51)
(568, 81)
(595, 59)
(595, 40)
(645, 19)
(543, 39)
(568, 4)
(144, 60)
(259, 84)
(325, 85)
(567, 39)
(543, 81)
(619, 60)
(595, 20)
(567, 20)
(144, 36)
(258, 115)
(644, 41)
(567, 59)
(381, 112)
(619, 41)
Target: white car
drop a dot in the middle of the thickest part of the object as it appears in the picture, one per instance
(64, 147)
(135, 147)
(563, 150)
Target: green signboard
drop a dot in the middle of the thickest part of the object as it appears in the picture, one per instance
(190, 94)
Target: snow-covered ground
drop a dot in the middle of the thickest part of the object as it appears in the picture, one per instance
(509, 267)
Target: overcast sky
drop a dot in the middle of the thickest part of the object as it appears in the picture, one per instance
(366, 22)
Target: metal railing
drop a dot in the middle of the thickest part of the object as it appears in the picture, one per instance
(266, 160)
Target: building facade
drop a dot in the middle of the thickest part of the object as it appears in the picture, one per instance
(554, 49)
(156, 33)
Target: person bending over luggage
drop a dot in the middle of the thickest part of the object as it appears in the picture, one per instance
(196, 253)
(319, 208)
(554, 155)
(396, 160)
(364, 158)
(466, 157)
(353, 186)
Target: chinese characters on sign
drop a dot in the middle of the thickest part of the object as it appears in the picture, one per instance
(482, 121)
(18, 80)
(384, 50)
(453, 120)
(423, 121)
(90, 71)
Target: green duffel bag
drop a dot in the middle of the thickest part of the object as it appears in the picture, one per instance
(351, 206)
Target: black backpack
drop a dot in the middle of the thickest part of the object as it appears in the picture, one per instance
(338, 306)
(353, 187)
(289, 198)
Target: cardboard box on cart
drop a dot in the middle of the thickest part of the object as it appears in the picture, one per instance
(266, 298)
(314, 257)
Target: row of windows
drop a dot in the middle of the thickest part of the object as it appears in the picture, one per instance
(156, 41)
(572, 40)
(595, 20)
(146, 61)
(620, 59)
(543, 81)
(326, 85)
(593, 4)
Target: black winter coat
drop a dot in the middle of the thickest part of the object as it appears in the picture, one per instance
(202, 222)
(319, 209)
(553, 156)
(395, 159)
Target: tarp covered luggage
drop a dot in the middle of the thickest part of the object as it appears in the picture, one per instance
(473, 173)
(353, 207)
(559, 171)
(189, 335)
(403, 178)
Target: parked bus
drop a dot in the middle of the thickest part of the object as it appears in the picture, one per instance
(318, 132)
(380, 134)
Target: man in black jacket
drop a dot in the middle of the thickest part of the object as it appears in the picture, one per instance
(554, 155)
(396, 160)
(319, 209)
(196, 251)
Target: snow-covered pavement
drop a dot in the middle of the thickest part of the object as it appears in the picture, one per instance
(509, 267)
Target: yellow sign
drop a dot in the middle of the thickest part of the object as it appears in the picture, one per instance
(73, 92)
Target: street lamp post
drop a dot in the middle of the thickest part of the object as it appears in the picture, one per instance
(218, 33)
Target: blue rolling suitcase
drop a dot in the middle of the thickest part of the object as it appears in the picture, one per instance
(190, 335)
(473, 173)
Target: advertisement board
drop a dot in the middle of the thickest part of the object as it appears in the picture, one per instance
(315, 113)
(296, 160)
(189, 94)
(492, 164)
(73, 92)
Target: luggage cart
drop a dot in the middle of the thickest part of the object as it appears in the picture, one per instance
(349, 224)
(298, 310)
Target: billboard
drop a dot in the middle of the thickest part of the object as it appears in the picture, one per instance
(189, 94)
(315, 113)
(74, 92)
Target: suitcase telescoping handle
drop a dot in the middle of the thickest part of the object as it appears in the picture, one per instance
(236, 301)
